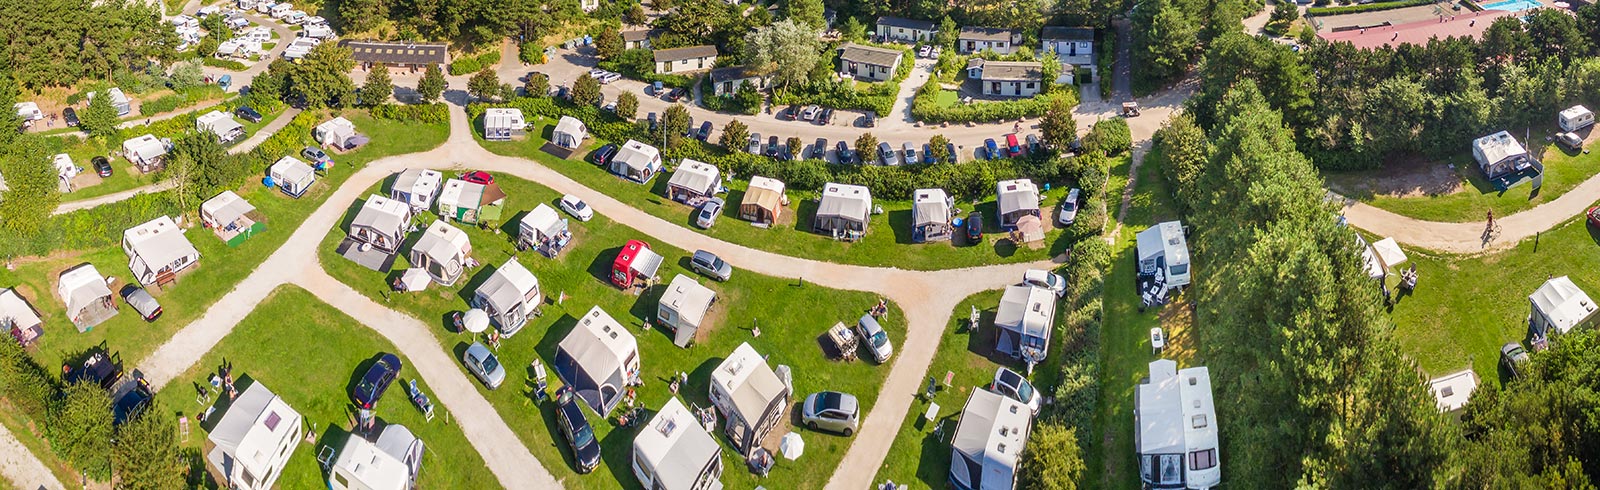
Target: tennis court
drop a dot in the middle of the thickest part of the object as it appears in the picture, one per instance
(1391, 17)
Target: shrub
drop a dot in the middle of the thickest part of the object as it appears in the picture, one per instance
(1110, 137)
(926, 108)
(1371, 7)
(426, 113)
(640, 64)
(877, 97)
(224, 64)
(474, 64)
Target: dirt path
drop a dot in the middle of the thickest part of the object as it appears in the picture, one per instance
(21, 468)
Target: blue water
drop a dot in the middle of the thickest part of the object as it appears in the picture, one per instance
(1514, 5)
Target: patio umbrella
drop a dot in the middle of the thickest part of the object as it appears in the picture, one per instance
(791, 446)
(476, 321)
(415, 279)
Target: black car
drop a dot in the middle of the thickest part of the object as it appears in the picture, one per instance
(580, 436)
(869, 120)
(102, 166)
(246, 113)
(790, 114)
(71, 116)
(845, 155)
(820, 149)
(603, 155)
(784, 152)
(676, 94)
(772, 146)
(826, 117)
(377, 380)
(653, 121)
(975, 228)
(142, 302)
(705, 131)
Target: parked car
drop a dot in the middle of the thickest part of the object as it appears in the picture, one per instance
(809, 113)
(833, 411)
(484, 365)
(789, 113)
(1570, 140)
(877, 339)
(826, 117)
(754, 148)
(370, 389)
(910, 152)
(709, 212)
(316, 155)
(576, 207)
(653, 121)
(478, 177)
(1045, 279)
(1033, 144)
(580, 436)
(705, 131)
(1012, 147)
(597, 73)
(1513, 357)
(975, 227)
(785, 153)
(927, 154)
(710, 265)
(142, 302)
(887, 155)
(926, 51)
(102, 166)
(609, 77)
(990, 149)
(1014, 386)
(951, 149)
(676, 94)
(819, 150)
(247, 113)
(845, 156)
(603, 155)
(656, 88)
(772, 146)
(869, 120)
(71, 116)
(1594, 216)
(610, 107)
(1069, 208)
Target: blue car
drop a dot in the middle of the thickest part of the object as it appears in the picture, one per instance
(990, 149)
(927, 154)
(952, 150)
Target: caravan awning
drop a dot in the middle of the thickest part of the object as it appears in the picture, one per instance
(646, 263)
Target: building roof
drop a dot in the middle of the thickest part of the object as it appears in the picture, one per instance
(1451, 391)
(1020, 71)
(750, 383)
(989, 34)
(16, 310)
(1177, 415)
(1563, 303)
(685, 53)
(508, 285)
(382, 214)
(988, 440)
(901, 22)
(145, 147)
(764, 192)
(696, 176)
(687, 297)
(386, 464)
(636, 35)
(1016, 195)
(398, 52)
(930, 206)
(159, 242)
(675, 444)
(443, 243)
(254, 425)
(503, 118)
(1064, 33)
(719, 75)
(849, 201)
(1164, 239)
(1027, 309)
(544, 219)
(637, 156)
(226, 207)
(81, 286)
(1499, 146)
(871, 55)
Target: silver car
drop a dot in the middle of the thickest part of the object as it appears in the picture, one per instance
(877, 339)
(710, 265)
(484, 365)
(831, 411)
(1015, 387)
(707, 216)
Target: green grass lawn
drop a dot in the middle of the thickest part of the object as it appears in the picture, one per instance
(791, 316)
(219, 269)
(312, 362)
(947, 98)
(1563, 172)
(888, 241)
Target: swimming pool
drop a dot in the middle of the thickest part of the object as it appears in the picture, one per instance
(1513, 5)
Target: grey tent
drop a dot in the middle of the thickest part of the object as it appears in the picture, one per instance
(599, 359)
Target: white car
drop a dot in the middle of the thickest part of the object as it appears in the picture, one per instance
(926, 51)
(1069, 208)
(576, 207)
(1012, 385)
(610, 77)
(1045, 279)
(597, 73)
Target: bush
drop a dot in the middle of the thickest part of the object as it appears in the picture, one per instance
(640, 64)
(474, 64)
(1109, 137)
(185, 98)
(925, 106)
(1371, 7)
(224, 64)
(877, 97)
(426, 113)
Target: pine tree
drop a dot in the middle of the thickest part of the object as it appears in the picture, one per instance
(146, 455)
(432, 84)
(80, 430)
(99, 119)
(378, 88)
(627, 105)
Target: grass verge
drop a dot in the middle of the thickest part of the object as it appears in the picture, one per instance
(1476, 196)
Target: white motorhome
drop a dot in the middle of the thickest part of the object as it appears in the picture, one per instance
(1164, 254)
(1576, 118)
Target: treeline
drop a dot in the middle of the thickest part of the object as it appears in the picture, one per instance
(54, 43)
(1310, 385)
(1165, 34)
(472, 21)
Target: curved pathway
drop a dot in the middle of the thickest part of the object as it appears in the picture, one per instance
(1468, 237)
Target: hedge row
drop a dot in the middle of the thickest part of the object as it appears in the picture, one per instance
(427, 113)
(223, 64)
(1078, 391)
(1371, 7)
(878, 97)
(171, 102)
(925, 106)
(473, 64)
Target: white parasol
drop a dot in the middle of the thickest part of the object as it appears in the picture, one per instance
(415, 279)
(475, 321)
(791, 446)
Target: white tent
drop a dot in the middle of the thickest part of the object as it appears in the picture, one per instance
(416, 187)
(443, 251)
(674, 452)
(636, 161)
(415, 279)
(391, 463)
(763, 200)
(228, 215)
(381, 222)
(1176, 429)
(988, 441)
(1015, 199)
(544, 230)
(843, 210)
(220, 124)
(293, 176)
(694, 180)
(750, 397)
(1451, 391)
(1575, 118)
(599, 359)
(931, 212)
(502, 124)
(338, 132)
(509, 296)
(1559, 305)
(157, 250)
(89, 301)
(569, 132)
(1025, 318)
(683, 307)
(146, 152)
(1381, 255)
(255, 439)
(18, 318)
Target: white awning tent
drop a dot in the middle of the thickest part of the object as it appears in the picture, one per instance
(502, 124)
(28, 111)
(1015, 199)
(988, 441)
(381, 222)
(749, 395)
(391, 463)
(255, 438)
(292, 176)
(156, 248)
(763, 200)
(542, 225)
(1025, 318)
(1559, 305)
(598, 358)
(1380, 256)
(636, 161)
(19, 318)
(144, 151)
(226, 213)
(674, 452)
(442, 250)
(569, 133)
(87, 297)
(1451, 391)
(683, 307)
(65, 168)
(510, 295)
(843, 208)
(220, 124)
(693, 179)
(416, 187)
(339, 132)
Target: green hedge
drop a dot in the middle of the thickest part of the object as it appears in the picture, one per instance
(474, 64)
(1471, 5)
(179, 100)
(224, 64)
(925, 106)
(1371, 7)
(877, 97)
(428, 113)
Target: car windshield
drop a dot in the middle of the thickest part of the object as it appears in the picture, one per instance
(1069, 206)
(880, 339)
(1024, 390)
(717, 264)
(579, 205)
(490, 364)
(583, 437)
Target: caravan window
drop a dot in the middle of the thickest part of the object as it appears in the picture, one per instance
(1178, 270)
(1204, 459)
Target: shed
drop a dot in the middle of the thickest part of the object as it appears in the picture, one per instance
(728, 80)
(1025, 318)
(292, 176)
(1500, 154)
(869, 62)
(442, 251)
(1015, 199)
(674, 452)
(974, 39)
(1164, 254)
(988, 441)
(749, 396)
(931, 211)
(231, 217)
(157, 251)
(255, 439)
(470, 202)
(1011, 78)
(145, 152)
(220, 124)
(1576, 118)
(599, 359)
(544, 230)
(569, 133)
(88, 300)
(339, 133)
(1559, 305)
(636, 161)
(1452, 391)
(381, 223)
(635, 261)
(693, 182)
(844, 210)
(763, 200)
(19, 318)
(503, 124)
(417, 187)
(391, 463)
(683, 307)
(509, 296)
(1175, 424)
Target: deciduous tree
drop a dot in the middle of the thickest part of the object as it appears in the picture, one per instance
(734, 135)
(378, 87)
(432, 84)
(323, 76)
(484, 85)
(674, 123)
(1057, 128)
(145, 454)
(586, 91)
(1051, 460)
(609, 43)
(867, 148)
(99, 119)
(807, 12)
(627, 105)
(787, 51)
(536, 85)
(939, 146)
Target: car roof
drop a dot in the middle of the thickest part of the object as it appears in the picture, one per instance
(478, 351)
(573, 412)
(1007, 377)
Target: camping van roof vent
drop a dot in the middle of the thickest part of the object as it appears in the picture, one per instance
(666, 425)
(1013, 409)
(1037, 306)
(1198, 421)
(1193, 381)
(1001, 448)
